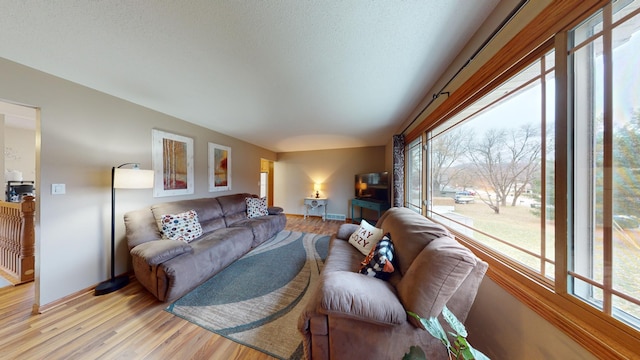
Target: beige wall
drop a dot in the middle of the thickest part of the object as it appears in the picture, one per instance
(83, 134)
(296, 172)
(503, 328)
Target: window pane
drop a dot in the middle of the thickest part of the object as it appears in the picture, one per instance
(548, 191)
(589, 28)
(485, 169)
(605, 248)
(594, 297)
(624, 8)
(626, 162)
(626, 311)
(414, 178)
(589, 139)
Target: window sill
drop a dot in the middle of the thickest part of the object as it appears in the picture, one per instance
(604, 337)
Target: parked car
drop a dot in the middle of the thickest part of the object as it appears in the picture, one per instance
(464, 197)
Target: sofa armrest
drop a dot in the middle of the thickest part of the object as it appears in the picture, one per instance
(435, 276)
(158, 251)
(275, 210)
(345, 231)
(364, 298)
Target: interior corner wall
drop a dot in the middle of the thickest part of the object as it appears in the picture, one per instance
(84, 133)
(296, 172)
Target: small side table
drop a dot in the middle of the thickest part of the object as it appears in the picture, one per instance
(316, 204)
(378, 206)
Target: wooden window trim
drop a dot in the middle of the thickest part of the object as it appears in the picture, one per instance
(604, 337)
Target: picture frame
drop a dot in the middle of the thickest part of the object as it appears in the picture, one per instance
(219, 167)
(172, 164)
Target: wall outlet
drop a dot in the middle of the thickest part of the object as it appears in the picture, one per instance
(58, 189)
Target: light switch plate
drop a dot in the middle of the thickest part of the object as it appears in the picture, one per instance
(58, 189)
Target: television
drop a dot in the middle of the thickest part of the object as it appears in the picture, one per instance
(373, 186)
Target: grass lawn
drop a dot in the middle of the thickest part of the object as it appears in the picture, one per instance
(518, 226)
(515, 225)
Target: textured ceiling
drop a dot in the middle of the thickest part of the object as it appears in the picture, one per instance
(286, 75)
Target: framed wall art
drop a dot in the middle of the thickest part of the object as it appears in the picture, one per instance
(172, 164)
(219, 167)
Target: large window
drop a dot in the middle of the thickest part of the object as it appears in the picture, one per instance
(536, 167)
(489, 167)
(604, 263)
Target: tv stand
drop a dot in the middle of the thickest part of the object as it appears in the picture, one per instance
(378, 206)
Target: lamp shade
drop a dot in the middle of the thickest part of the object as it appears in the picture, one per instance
(317, 186)
(132, 179)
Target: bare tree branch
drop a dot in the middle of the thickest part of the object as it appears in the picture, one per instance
(447, 151)
(507, 161)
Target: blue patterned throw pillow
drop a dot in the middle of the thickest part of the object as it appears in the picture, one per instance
(379, 262)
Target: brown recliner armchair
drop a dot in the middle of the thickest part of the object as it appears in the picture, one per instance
(353, 316)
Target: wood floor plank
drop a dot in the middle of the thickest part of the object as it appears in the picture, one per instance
(127, 324)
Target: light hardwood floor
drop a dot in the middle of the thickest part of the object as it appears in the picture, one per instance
(127, 324)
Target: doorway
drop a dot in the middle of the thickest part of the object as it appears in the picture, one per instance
(19, 170)
(266, 180)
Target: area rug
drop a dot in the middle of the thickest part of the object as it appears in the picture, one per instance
(256, 301)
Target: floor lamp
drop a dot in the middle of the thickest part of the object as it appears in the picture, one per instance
(133, 178)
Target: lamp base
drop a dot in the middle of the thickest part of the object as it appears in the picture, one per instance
(111, 285)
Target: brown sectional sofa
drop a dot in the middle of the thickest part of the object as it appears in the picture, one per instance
(353, 316)
(171, 268)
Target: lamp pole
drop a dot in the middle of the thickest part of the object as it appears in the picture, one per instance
(114, 283)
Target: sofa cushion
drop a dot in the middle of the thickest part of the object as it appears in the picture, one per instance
(183, 226)
(234, 207)
(342, 256)
(366, 237)
(261, 228)
(212, 252)
(141, 227)
(349, 294)
(209, 212)
(444, 264)
(256, 207)
(379, 262)
(159, 251)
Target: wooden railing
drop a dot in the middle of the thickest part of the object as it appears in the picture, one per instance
(17, 239)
